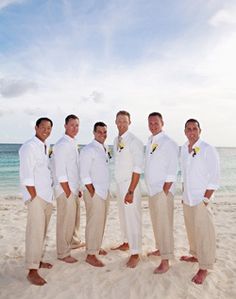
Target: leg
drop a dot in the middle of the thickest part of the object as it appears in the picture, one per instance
(36, 227)
(76, 241)
(189, 220)
(65, 227)
(95, 223)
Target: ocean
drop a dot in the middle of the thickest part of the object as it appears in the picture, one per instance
(9, 172)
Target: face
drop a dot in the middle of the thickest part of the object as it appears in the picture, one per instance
(72, 127)
(192, 132)
(155, 124)
(43, 130)
(100, 134)
(122, 123)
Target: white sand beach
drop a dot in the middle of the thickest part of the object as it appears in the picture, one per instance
(81, 280)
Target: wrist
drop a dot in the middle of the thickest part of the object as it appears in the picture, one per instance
(206, 200)
(130, 192)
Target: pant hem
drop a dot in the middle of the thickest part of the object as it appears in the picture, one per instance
(32, 266)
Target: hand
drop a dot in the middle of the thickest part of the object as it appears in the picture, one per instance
(206, 204)
(80, 194)
(92, 193)
(68, 194)
(166, 192)
(129, 198)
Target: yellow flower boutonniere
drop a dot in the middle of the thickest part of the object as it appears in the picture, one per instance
(195, 150)
(154, 147)
(121, 145)
(50, 152)
(109, 153)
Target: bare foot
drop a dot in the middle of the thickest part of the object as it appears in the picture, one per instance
(133, 261)
(69, 259)
(123, 247)
(154, 253)
(190, 259)
(34, 278)
(162, 268)
(92, 260)
(200, 276)
(45, 265)
(77, 245)
(102, 252)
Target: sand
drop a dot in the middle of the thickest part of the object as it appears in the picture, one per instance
(81, 280)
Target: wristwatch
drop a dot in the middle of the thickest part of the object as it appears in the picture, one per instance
(206, 200)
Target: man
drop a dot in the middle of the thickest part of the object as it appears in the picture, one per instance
(37, 192)
(161, 166)
(94, 172)
(128, 152)
(66, 174)
(200, 171)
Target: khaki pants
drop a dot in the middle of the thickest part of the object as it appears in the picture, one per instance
(161, 207)
(39, 214)
(76, 236)
(96, 214)
(201, 234)
(66, 212)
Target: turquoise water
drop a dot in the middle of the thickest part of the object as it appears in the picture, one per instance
(9, 171)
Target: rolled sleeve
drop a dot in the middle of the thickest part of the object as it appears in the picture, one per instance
(27, 165)
(86, 157)
(138, 156)
(60, 158)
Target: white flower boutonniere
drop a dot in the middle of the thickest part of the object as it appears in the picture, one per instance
(195, 151)
(154, 147)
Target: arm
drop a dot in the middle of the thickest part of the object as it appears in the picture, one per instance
(130, 194)
(86, 157)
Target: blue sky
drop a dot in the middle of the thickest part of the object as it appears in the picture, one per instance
(94, 58)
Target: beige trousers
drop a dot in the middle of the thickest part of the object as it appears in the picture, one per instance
(66, 212)
(161, 207)
(201, 234)
(96, 214)
(76, 236)
(39, 214)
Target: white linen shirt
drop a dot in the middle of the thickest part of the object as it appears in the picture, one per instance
(199, 172)
(65, 161)
(129, 159)
(34, 169)
(94, 167)
(161, 165)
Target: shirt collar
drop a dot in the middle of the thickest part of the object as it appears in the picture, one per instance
(124, 136)
(196, 144)
(155, 138)
(70, 139)
(98, 144)
(38, 141)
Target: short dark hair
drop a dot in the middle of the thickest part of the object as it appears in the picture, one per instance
(70, 116)
(123, 112)
(41, 119)
(192, 120)
(98, 124)
(155, 114)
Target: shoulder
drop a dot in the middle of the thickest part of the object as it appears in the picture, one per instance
(170, 142)
(134, 140)
(27, 146)
(89, 148)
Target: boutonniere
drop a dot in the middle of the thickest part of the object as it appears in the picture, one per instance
(121, 145)
(154, 147)
(109, 153)
(50, 152)
(195, 150)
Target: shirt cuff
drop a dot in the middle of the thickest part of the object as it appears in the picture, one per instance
(28, 182)
(137, 169)
(62, 179)
(212, 187)
(87, 181)
(170, 178)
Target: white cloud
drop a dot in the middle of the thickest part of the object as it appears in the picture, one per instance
(223, 17)
(5, 3)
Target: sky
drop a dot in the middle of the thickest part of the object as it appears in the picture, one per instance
(93, 58)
